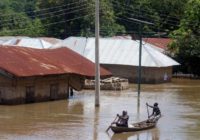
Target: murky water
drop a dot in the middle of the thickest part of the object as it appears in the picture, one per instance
(78, 119)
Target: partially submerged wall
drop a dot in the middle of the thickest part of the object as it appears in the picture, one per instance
(149, 75)
(37, 89)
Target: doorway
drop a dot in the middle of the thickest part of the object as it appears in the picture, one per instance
(53, 91)
(30, 94)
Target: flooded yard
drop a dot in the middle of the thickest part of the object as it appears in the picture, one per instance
(78, 119)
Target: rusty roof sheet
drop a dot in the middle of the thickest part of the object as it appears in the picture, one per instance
(23, 62)
(159, 42)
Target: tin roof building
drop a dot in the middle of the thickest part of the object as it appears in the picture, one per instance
(119, 55)
(33, 75)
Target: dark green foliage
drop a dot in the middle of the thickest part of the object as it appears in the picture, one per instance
(17, 18)
(63, 18)
(79, 18)
(186, 46)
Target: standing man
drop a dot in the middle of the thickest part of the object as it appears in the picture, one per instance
(156, 114)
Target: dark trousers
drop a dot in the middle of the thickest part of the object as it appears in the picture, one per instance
(122, 125)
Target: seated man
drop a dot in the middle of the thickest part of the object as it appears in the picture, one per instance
(123, 119)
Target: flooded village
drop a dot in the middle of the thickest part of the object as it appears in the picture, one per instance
(45, 97)
(99, 70)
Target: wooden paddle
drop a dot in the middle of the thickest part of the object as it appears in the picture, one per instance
(147, 110)
(111, 123)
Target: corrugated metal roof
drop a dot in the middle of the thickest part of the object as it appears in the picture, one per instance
(24, 62)
(37, 43)
(2, 41)
(50, 39)
(118, 51)
(10, 40)
(155, 47)
(6, 38)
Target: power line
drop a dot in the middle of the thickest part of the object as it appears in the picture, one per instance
(48, 13)
(126, 8)
(53, 23)
(128, 20)
(74, 11)
(132, 32)
(45, 9)
(166, 23)
(145, 10)
(126, 32)
(122, 18)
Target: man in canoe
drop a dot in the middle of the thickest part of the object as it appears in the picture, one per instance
(122, 119)
(156, 111)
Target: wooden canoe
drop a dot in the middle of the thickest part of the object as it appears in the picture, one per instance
(144, 125)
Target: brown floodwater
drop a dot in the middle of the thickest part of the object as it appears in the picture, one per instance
(78, 119)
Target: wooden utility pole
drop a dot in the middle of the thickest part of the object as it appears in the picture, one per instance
(140, 22)
(140, 59)
(97, 75)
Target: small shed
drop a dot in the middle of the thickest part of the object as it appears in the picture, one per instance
(30, 75)
(121, 57)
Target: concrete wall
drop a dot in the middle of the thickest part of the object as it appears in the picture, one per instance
(14, 91)
(149, 75)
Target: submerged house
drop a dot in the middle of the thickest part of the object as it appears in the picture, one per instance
(121, 57)
(33, 75)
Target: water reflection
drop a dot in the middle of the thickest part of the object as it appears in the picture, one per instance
(142, 135)
(138, 107)
(96, 123)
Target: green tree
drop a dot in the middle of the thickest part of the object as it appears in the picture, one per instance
(186, 46)
(108, 24)
(20, 24)
(17, 18)
(165, 14)
(79, 19)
